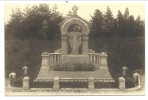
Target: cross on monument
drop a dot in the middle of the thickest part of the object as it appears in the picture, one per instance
(75, 8)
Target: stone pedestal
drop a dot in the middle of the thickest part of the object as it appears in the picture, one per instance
(91, 83)
(121, 83)
(56, 81)
(26, 82)
(45, 63)
(103, 59)
(75, 58)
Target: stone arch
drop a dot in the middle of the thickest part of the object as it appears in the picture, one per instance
(84, 26)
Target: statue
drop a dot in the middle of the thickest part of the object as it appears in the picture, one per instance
(45, 25)
(75, 40)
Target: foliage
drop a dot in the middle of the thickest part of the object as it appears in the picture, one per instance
(122, 38)
(73, 67)
(105, 25)
(28, 23)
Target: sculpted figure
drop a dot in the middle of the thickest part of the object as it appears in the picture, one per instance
(45, 25)
(75, 40)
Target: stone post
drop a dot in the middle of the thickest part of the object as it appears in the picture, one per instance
(91, 83)
(85, 45)
(124, 71)
(136, 77)
(12, 77)
(25, 69)
(103, 59)
(64, 45)
(45, 62)
(56, 81)
(45, 57)
(121, 83)
(26, 82)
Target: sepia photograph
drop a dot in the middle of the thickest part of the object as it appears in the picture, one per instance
(74, 49)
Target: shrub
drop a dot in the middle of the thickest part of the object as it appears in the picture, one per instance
(74, 67)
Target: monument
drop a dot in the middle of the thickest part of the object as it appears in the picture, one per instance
(74, 49)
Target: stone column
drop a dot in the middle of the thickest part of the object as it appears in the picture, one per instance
(64, 45)
(26, 82)
(56, 81)
(121, 83)
(85, 45)
(94, 59)
(103, 59)
(98, 58)
(91, 83)
(58, 58)
(90, 58)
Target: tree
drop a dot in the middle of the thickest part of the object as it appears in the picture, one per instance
(108, 23)
(120, 20)
(120, 23)
(139, 27)
(126, 14)
(123, 40)
(96, 24)
(108, 20)
(23, 39)
(27, 24)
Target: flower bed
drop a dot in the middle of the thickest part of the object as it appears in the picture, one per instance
(74, 67)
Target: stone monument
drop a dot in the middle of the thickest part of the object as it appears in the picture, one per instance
(74, 49)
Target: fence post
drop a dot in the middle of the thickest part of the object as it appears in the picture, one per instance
(56, 83)
(91, 83)
(12, 77)
(26, 82)
(136, 77)
(122, 83)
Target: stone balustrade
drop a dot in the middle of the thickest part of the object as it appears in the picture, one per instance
(94, 58)
(54, 57)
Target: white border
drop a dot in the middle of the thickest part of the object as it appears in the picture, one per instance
(2, 92)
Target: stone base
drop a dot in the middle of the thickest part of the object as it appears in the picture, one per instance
(75, 58)
(102, 74)
(122, 88)
(44, 71)
(100, 71)
(91, 87)
(56, 87)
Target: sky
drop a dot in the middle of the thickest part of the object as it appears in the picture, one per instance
(86, 9)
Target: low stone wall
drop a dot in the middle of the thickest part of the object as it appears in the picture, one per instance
(102, 73)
